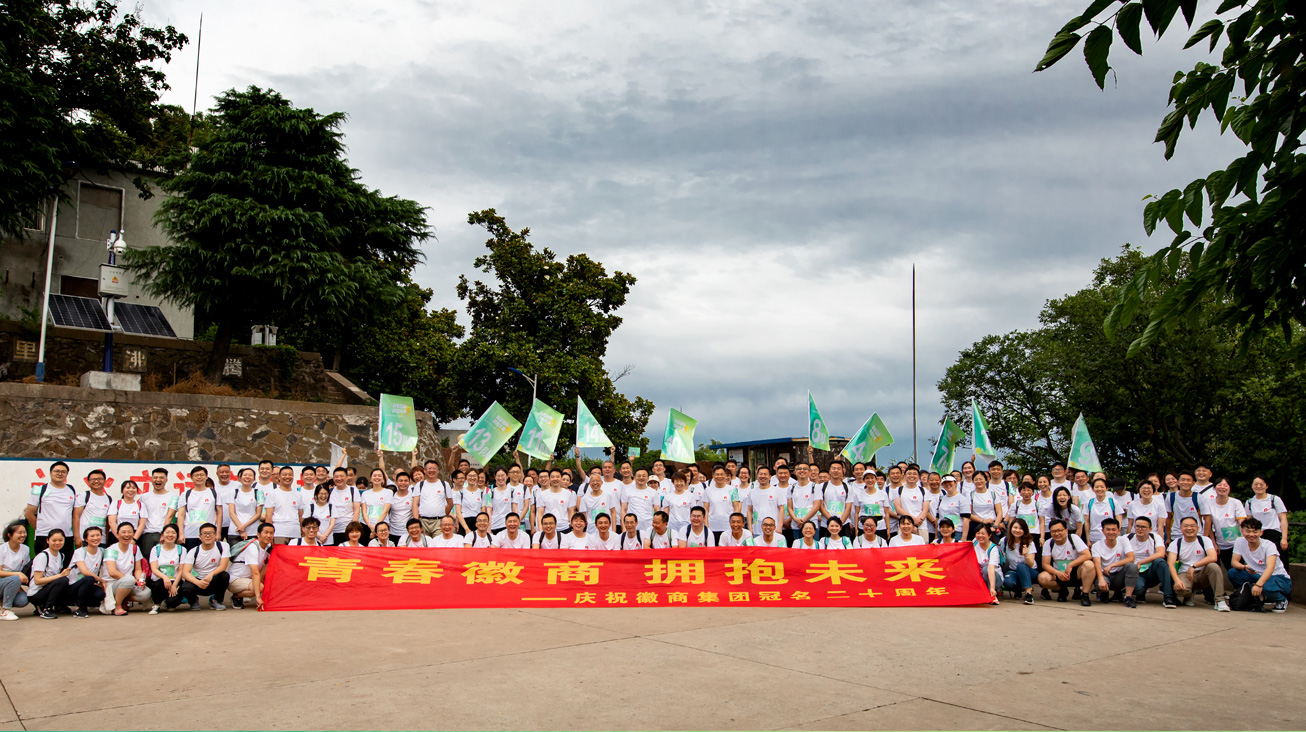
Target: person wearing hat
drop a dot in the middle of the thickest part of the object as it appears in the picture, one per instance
(951, 504)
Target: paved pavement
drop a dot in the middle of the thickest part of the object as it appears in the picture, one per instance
(1052, 665)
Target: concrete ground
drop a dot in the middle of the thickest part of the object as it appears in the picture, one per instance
(1057, 666)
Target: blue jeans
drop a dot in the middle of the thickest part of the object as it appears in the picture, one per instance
(1021, 578)
(11, 593)
(1156, 575)
(1276, 588)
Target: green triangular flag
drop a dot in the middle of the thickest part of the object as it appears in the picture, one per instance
(489, 433)
(588, 431)
(980, 434)
(873, 436)
(1083, 455)
(945, 451)
(540, 435)
(816, 429)
(678, 440)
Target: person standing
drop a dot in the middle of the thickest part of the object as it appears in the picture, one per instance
(435, 499)
(92, 506)
(282, 507)
(50, 506)
(344, 505)
(160, 506)
(1270, 511)
(1223, 516)
(198, 506)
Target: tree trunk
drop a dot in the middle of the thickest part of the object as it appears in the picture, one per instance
(218, 355)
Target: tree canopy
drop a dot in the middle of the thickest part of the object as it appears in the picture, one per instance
(269, 222)
(552, 321)
(79, 88)
(1250, 257)
(1189, 396)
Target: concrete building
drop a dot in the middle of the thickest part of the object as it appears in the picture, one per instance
(97, 205)
(793, 449)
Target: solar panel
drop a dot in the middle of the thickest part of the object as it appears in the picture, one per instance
(78, 312)
(142, 320)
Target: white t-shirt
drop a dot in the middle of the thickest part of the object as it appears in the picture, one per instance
(1182, 507)
(777, 541)
(1073, 516)
(501, 500)
(803, 497)
(875, 542)
(203, 561)
(125, 513)
(342, 506)
(401, 509)
(1266, 511)
(374, 503)
(247, 505)
(1224, 521)
(728, 538)
(252, 555)
(982, 504)
(1062, 555)
(592, 505)
(991, 556)
(720, 504)
(642, 503)
(1028, 511)
(765, 502)
(55, 508)
(1146, 547)
(912, 499)
(540, 541)
(225, 494)
(48, 563)
(704, 539)
(376, 544)
(327, 523)
(453, 542)
(668, 540)
(598, 543)
(1096, 511)
(1109, 555)
(1154, 511)
(474, 540)
(285, 507)
(201, 508)
(471, 501)
(503, 541)
(124, 559)
(1190, 552)
(834, 497)
(169, 559)
(558, 504)
(954, 508)
(93, 563)
(632, 543)
(13, 560)
(1013, 555)
(95, 510)
(678, 506)
(1256, 560)
(407, 542)
(916, 540)
(575, 543)
(834, 542)
(433, 498)
(157, 506)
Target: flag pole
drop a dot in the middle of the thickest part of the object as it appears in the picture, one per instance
(913, 364)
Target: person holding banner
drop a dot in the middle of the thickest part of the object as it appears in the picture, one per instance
(577, 539)
(736, 535)
(870, 537)
(381, 537)
(481, 537)
(413, 536)
(447, 538)
(661, 537)
(807, 538)
(632, 537)
(512, 537)
(354, 532)
(769, 538)
(603, 539)
(547, 537)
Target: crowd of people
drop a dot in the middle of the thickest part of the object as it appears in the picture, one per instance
(1066, 533)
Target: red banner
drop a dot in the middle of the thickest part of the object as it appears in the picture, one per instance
(333, 578)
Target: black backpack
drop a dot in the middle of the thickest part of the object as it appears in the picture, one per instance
(1242, 600)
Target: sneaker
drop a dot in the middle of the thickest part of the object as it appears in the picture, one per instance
(238, 603)
(1083, 600)
(80, 613)
(48, 614)
(1029, 598)
(1170, 603)
(154, 610)
(1061, 595)
(1045, 594)
(217, 606)
(1188, 601)
(1078, 593)
(196, 606)
(7, 614)
(1103, 598)
(1280, 607)
(1118, 596)
(1129, 602)
(1221, 606)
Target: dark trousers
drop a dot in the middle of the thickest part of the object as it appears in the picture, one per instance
(340, 539)
(40, 543)
(85, 593)
(192, 543)
(51, 594)
(217, 589)
(147, 542)
(159, 593)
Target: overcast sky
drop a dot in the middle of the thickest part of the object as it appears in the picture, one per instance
(769, 171)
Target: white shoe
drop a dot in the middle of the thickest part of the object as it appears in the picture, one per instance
(154, 610)
(109, 603)
(1188, 601)
(1279, 607)
(216, 606)
(6, 614)
(1221, 606)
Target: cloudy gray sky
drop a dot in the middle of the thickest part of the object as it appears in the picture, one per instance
(769, 171)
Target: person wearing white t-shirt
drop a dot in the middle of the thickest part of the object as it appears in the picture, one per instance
(804, 502)
(48, 587)
(603, 538)
(1081, 490)
(952, 505)
(1270, 511)
(1194, 564)
(1149, 555)
(834, 538)
(547, 537)
(402, 503)
(1223, 516)
(632, 538)
(766, 500)
(736, 535)
(245, 507)
(1026, 507)
(345, 508)
(834, 497)
(85, 585)
(1098, 508)
(869, 538)
(282, 507)
(13, 560)
(1067, 563)
(721, 501)
(577, 539)
(204, 570)
(512, 537)
(1115, 564)
(989, 557)
(986, 508)
(807, 537)
(907, 535)
(91, 508)
(1202, 485)
(122, 572)
(597, 501)
(1146, 505)
(481, 537)
(556, 501)
(1182, 504)
(1059, 478)
(246, 571)
(770, 538)
(447, 538)
(1258, 562)
(434, 499)
(910, 501)
(1019, 564)
(226, 488)
(129, 508)
(50, 506)
(309, 531)
(661, 536)
(698, 535)
(160, 507)
(640, 499)
(679, 502)
(381, 538)
(413, 537)
(165, 570)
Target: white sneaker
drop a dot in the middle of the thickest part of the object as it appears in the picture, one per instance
(154, 610)
(217, 606)
(1221, 606)
(1188, 601)
(6, 614)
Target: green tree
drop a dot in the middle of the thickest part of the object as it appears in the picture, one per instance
(79, 85)
(550, 319)
(1188, 397)
(269, 222)
(1250, 257)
